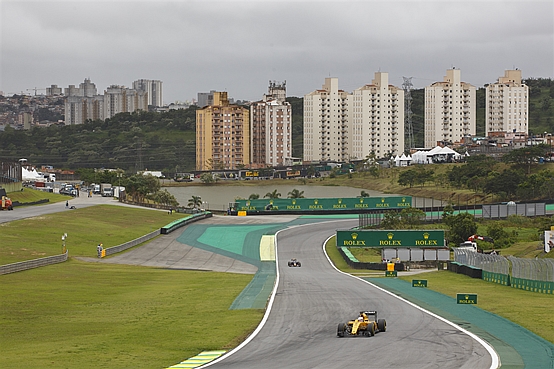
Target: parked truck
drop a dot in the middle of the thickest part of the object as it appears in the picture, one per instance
(106, 189)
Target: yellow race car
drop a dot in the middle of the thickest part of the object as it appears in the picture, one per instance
(366, 325)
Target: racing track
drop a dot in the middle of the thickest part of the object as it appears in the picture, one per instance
(300, 329)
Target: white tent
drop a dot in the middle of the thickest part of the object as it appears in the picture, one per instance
(435, 155)
(30, 175)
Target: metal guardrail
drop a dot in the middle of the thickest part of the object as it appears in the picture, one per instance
(533, 269)
(487, 262)
(35, 263)
(128, 245)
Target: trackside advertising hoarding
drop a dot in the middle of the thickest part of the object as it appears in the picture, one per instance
(334, 204)
(391, 238)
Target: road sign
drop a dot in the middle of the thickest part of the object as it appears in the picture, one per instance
(466, 298)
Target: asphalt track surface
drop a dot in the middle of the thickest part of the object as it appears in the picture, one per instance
(300, 329)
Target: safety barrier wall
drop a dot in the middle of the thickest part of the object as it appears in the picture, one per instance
(184, 221)
(128, 245)
(488, 262)
(533, 286)
(535, 275)
(503, 279)
(355, 264)
(35, 263)
(465, 269)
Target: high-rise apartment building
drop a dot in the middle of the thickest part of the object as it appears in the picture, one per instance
(507, 104)
(153, 88)
(449, 110)
(271, 128)
(222, 135)
(119, 99)
(377, 116)
(326, 123)
(83, 103)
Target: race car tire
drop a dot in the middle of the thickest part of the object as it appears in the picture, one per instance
(299, 265)
(290, 264)
(340, 329)
(382, 325)
(371, 330)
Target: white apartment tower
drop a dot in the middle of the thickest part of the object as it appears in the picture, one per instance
(507, 104)
(449, 110)
(153, 88)
(271, 128)
(326, 123)
(377, 113)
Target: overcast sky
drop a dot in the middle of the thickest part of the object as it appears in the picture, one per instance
(239, 46)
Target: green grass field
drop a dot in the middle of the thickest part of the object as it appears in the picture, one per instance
(82, 315)
(110, 225)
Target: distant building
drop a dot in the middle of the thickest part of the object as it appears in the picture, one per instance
(507, 104)
(222, 135)
(205, 98)
(153, 88)
(53, 90)
(377, 115)
(119, 99)
(326, 123)
(271, 128)
(449, 110)
(83, 103)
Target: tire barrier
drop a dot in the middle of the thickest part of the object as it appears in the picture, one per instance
(184, 221)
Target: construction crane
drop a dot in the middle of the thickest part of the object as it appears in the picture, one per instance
(36, 89)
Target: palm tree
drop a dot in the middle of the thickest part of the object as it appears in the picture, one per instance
(253, 196)
(295, 194)
(273, 195)
(195, 202)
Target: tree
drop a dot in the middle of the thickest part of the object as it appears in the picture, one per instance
(296, 194)
(526, 156)
(364, 194)
(253, 196)
(462, 226)
(165, 198)
(407, 177)
(412, 217)
(195, 202)
(208, 178)
(391, 220)
(273, 195)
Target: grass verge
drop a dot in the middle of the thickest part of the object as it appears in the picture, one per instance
(534, 311)
(111, 225)
(79, 315)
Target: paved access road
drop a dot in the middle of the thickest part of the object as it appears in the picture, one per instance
(300, 330)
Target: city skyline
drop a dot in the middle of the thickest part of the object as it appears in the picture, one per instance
(238, 47)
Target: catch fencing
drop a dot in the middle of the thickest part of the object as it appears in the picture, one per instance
(533, 269)
(535, 275)
(487, 262)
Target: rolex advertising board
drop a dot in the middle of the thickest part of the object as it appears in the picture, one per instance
(331, 204)
(391, 238)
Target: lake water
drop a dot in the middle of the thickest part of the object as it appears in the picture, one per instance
(219, 197)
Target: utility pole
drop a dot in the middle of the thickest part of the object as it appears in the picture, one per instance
(409, 139)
